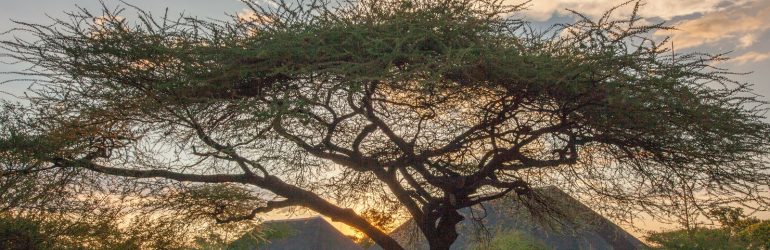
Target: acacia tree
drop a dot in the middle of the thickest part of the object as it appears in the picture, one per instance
(431, 105)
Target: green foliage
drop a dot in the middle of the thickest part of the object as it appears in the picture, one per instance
(19, 233)
(275, 232)
(757, 235)
(61, 232)
(107, 229)
(255, 239)
(736, 232)
(221, 202)
(730, 217)
(698, 238)
(512, 240)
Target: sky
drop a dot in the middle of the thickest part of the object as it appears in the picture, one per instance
(741, 27)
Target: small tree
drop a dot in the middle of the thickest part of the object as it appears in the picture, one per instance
(433, 105)
(736, 231)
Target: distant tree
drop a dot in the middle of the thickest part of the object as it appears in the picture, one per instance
(60, 232)
(431, 105)
(19, 234)
(695, 239)
(736, 231)
(757, 235)
(732, 218)
(99, 231)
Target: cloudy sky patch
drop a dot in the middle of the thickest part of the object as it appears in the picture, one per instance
(739, 24)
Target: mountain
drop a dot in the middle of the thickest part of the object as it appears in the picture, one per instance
(305, 233)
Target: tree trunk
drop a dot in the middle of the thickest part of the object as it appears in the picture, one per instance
(445, 230)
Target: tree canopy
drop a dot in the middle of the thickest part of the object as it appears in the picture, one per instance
(421, 107)
(736, 231)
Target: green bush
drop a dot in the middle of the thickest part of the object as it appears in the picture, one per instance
(20, 233)
(747, 234)
(695, 239)
(512, 240)
(757, 235)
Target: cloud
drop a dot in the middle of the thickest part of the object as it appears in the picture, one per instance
(664, 9)
(752, 56)
(742, 22)
(248, 15)
(748, 40)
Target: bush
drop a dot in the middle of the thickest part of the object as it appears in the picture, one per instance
(20, 233)
(512, 240)
(736, 232)
(698, 238)
(757, 235)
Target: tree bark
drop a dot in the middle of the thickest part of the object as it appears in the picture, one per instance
(447, 230)
(441, 232)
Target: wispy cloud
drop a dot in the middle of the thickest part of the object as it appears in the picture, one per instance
(247, 15)
(747, 40)
(741, 23)
(544, 10)
(752, 56)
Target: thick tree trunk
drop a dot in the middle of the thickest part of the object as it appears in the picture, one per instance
(445, 232)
